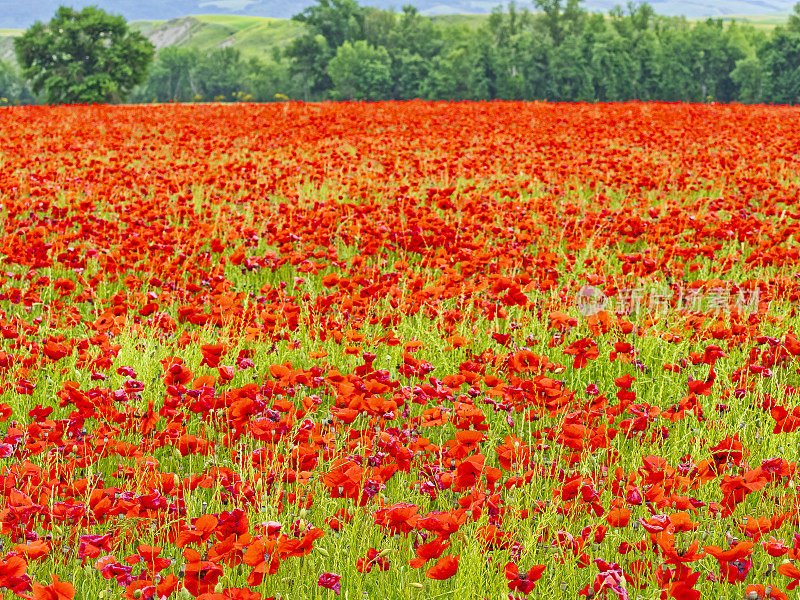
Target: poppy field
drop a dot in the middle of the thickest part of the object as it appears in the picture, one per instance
(399, 350)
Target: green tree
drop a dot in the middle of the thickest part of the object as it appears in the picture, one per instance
(781, 60)
(673, 65)
(638, 18)
(481, 75)
(361, 72)
(614, 70)
(794, 19)
(409, 71)
(338, 21)
(172, 76)
(416, 34)
(446, 78)
(309, 56)
(379, 28)
(570, 72)
(412, 44)
(561, 19)
(748, 73)
(513, 53)
(13, 89)
(83, 56)
(532, 62)
(269, 80)
(716, 55)
(330, 24)
(220, 74)
(749, 77)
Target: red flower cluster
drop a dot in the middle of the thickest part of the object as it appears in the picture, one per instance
(230, 334)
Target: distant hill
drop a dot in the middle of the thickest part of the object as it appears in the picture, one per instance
(254, 36)
(23, 14)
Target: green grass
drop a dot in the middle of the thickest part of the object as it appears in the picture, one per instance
(252, 36)
(259, 38)
(764, 23)
(761, 22)
(471, 20)
(146, 27)
(235, 22)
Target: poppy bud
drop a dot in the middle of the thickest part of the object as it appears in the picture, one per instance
(322, 551)
(419, 586)
(137, 594)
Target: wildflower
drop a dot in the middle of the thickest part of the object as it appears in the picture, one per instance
(57, 590)
(523, 582)
(373, 559)
(734, 564)
(330, 581)
(444, 568)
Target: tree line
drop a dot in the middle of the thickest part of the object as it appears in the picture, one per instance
(352, 52)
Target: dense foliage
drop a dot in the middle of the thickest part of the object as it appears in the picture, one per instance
(85, 56)
(559, 53)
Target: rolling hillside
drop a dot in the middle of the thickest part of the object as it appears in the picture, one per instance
(250, 35)
(255, 36)
(7, 43)
(21, 15)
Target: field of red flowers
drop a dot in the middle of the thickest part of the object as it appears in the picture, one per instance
(399, 350)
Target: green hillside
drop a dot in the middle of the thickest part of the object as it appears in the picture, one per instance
(7, 43)
(761, 22)
(469, 20)
(255, 36)
(252, 36)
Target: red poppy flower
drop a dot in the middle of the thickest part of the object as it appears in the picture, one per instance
(444, 568)
(523, 582)
(57, 590)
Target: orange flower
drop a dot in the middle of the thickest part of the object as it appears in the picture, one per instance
(618, 515)
(789, 570)
(201, 575)
(57, 590)
(676, 556)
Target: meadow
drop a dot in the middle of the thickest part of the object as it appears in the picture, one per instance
(399, 350)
